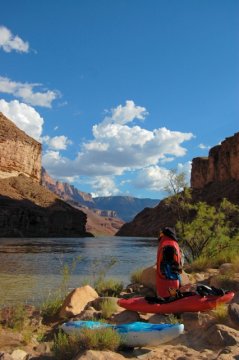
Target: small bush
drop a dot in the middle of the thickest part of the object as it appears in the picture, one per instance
(108, 287)
(108, 307)
(136, 276)
(14, 317)
(99, 339)
(65, 347)
(221, 313)
(51, 306)
(172, 319)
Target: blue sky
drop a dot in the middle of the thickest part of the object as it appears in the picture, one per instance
(120, 92)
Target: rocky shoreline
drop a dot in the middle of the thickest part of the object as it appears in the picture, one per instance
(208, 335)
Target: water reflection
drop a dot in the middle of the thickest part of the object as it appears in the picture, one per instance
(29, 267)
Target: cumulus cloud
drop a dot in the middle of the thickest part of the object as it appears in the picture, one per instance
(57, 142)
(153, 178)
(103, 186)
(25, 91)
(24, 116)
(118, 146)
(10, 42)
(203, 147)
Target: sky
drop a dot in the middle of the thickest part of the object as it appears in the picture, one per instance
(120, 92)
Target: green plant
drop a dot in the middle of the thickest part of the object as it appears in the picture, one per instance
(108, 307)
(221, 313)
(108, 287)
(136, 276)
(172, 319)
(51, 306)
(65, 347)
(14, 317)
(99, 339)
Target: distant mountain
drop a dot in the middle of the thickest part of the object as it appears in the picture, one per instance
(125, 206)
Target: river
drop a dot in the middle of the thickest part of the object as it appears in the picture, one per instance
(32, 269)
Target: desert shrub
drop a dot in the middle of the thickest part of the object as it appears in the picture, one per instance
(14, 317)
(108, 307)
(221, 313)
(136, 276)
(51, 306)
(172, 319)
(99, 339)
(65, 347)
(108, 287)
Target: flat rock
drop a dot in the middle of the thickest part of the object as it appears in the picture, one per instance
(99, 355)
(233, 311)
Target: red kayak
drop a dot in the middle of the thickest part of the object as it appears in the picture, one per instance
(191, 303)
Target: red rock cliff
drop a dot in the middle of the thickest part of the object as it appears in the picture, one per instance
(19, 153)
(222, 164)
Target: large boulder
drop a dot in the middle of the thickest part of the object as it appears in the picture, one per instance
(76, 301)
(219, 335)
(233, 311)
(148, 277)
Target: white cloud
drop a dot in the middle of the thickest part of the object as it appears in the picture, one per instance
(153, 178)
(10, 42)
(57, 142)
(103, 186)
(202, 146)
(24, 116)
(117, 147)
(26, 92)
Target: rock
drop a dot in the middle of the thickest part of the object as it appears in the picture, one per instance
(148, 277)
(196, 320)
(5, 356)
(158, 319)
(76, 301)
(228, 353)
(98, 302)
(225, 268)
(233, 311)
(99, 355)
(19, 355)
(88, 314)
(20, 154)
(221, 335)
(222, 164)
(236, 298)
(227, 283)
(125, 316)
(10, 340)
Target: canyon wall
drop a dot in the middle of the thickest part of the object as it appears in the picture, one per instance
(19, 153)
(213, 178)
(222, 164)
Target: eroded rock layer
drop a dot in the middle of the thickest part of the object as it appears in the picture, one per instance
(221, 165)
(19, 153)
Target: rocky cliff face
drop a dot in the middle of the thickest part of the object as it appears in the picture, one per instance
(29, 210)
(221, 165)
(65, 191)
(212, 179)
(99, 222)
(19, 153)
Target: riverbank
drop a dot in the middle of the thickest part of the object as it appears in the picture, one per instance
(28, 332)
